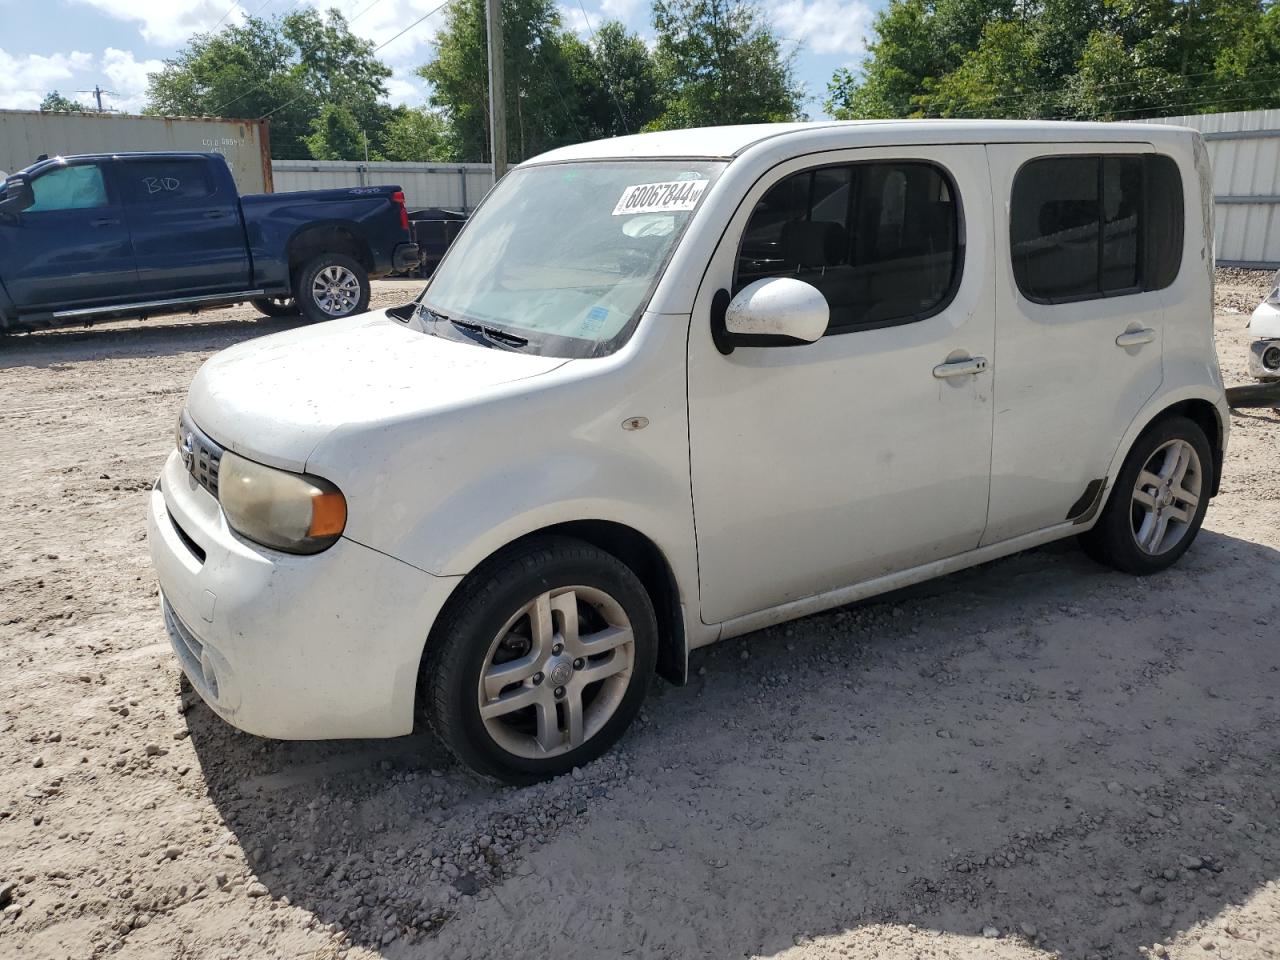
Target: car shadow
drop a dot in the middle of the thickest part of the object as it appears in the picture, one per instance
(131, 339)
(1074, 757)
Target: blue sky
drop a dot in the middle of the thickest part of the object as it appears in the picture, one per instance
(71, 45)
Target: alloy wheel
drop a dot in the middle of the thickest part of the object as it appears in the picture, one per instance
(1165, 497)
(336, 290)
(556, 672)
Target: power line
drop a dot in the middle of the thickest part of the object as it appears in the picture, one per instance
(613, 96)
(223, 17)
(973, 107)
(429, 13)
(364, 11)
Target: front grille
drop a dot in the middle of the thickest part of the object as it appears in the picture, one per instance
(200, 454)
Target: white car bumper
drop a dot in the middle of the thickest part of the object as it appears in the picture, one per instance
(293, 647)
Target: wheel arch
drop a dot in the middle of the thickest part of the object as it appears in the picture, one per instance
(650, 565)
(1207, 410)
(320, 238)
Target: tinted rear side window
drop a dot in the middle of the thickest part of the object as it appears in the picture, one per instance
(1084, 227)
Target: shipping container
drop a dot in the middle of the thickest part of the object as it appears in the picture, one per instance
(26, 134)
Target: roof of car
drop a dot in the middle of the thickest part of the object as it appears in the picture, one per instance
(730, 141)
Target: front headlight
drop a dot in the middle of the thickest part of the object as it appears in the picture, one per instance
(288, 511)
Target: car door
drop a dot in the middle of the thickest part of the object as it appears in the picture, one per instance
(867, 452)
(70, 249)
(185, 224)
(1079, 333)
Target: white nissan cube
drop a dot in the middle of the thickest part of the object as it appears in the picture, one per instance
(672, 388)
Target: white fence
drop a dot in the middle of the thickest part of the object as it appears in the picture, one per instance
(455, 186)
(1244, 151)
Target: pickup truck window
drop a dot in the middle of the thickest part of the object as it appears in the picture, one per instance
(168, 181)
(565, 256)
(80, 187)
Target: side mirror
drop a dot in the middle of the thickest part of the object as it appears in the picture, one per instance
(18, 195)
(773, 312)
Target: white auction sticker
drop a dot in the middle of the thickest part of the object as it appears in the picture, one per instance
(675, 196)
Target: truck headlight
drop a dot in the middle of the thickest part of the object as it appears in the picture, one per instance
(287, 511)
(1271, 358)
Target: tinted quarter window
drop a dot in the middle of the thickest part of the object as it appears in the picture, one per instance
(880, 240)
(168, 181)
(1084, 227)
(80, 187)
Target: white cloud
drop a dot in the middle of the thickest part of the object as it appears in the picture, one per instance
(127, 77)
(25, 79)
(170, 23)
(823, 26)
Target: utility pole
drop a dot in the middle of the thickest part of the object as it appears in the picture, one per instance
(97, 92)
(497, 91)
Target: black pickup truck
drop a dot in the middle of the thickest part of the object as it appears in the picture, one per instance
(87, 238)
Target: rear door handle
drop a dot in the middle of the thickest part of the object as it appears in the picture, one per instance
(105, 222)
(1135, 338)
(215, 214)
(960, 368)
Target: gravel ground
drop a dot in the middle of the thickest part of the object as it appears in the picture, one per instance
(1038, 756)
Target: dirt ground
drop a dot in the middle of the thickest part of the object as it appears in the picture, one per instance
(1038, 757)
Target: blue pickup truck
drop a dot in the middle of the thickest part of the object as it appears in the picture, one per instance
(88, 238)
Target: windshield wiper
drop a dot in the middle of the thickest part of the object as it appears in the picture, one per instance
(489, 336)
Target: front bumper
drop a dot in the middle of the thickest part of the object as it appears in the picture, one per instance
(405, 257)
(292, 647)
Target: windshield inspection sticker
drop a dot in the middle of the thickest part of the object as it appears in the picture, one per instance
(595, 319)
(674, 196)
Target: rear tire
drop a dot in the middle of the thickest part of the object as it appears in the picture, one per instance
(275, 306)
(540, 661)
(331, 286)
(1158, 502)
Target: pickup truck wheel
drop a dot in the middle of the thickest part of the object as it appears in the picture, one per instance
(1158, 502)
(540, 660)
(275, 306)
(330, 286)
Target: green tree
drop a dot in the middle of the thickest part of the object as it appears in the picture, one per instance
(417, 135)
(287, 68)
(335, 135)
(541, 100)
(719, 62)
(999, 78)
(615, 81)
(54, 102)
(1102, 59)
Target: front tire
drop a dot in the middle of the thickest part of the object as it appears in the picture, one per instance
(1158, 502)
(540, 661)
(331, 286)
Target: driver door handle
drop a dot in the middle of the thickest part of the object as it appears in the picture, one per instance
(960, 368)
(105, 222)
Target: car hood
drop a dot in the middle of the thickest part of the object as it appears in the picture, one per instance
(275, 398)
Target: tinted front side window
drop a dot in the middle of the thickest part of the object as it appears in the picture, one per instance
(70, 188)
(880, 240)
(168, 181)
(1094, 226)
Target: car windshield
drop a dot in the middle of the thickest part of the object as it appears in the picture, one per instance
(561, 259)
